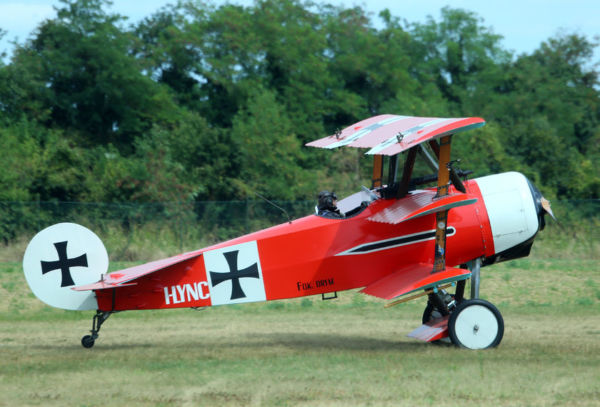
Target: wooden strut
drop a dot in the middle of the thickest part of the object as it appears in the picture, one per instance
(443, 171)
(412, 297)
(441, 218)
(377, 180)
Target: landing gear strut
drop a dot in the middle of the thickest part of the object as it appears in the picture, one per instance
(442, 303)
(475, 267)
(88, 340)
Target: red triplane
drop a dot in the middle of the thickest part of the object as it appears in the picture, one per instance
(395, 240)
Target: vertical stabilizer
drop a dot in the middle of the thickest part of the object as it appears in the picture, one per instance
(61, 257)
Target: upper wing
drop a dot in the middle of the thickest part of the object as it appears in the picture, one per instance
(391, 134)
(121, 278)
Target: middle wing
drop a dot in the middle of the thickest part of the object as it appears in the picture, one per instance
(420, 203)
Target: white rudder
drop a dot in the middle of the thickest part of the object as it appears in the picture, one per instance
(63, 256)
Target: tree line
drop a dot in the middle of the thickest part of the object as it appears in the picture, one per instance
(199, 102)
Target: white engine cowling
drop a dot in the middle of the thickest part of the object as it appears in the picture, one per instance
(512, 212)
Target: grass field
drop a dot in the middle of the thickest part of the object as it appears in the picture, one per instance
(308, 352)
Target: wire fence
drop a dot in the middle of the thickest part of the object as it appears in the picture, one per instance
(134, 231)
(178, 225)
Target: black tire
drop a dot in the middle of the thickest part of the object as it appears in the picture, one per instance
(431, 312)
(476, 324)
(87, 341)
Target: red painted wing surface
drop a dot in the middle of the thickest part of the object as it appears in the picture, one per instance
(122, 277)
(391, 134)
(412, 278)
(420, 204)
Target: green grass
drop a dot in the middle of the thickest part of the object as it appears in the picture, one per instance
(308, 352)
(330, 354)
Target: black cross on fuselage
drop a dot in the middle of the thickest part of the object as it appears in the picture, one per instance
(64, 264)
(234, 275)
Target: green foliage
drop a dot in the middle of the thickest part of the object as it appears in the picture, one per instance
(549, 107)
(485, 151)
(84, 80)
(461, 56)
(199, 102)
(18, 169)
(269, 151)
(150, 175)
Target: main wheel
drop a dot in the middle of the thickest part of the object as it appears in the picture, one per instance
(87, 341)
(476, 324)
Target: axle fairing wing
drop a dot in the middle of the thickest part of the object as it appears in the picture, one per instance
(392, 134)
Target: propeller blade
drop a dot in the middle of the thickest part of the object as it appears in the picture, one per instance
(547, 208)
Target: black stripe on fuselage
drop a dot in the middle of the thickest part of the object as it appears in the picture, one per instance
(395, 242)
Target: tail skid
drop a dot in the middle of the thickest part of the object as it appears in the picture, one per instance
(88, 340)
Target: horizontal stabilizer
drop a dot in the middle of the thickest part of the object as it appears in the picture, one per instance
(419, 204)
(431, 331)
(412, 278)
(121, 278)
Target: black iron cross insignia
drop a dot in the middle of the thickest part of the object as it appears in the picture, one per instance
(234, 274)
(64, 264)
